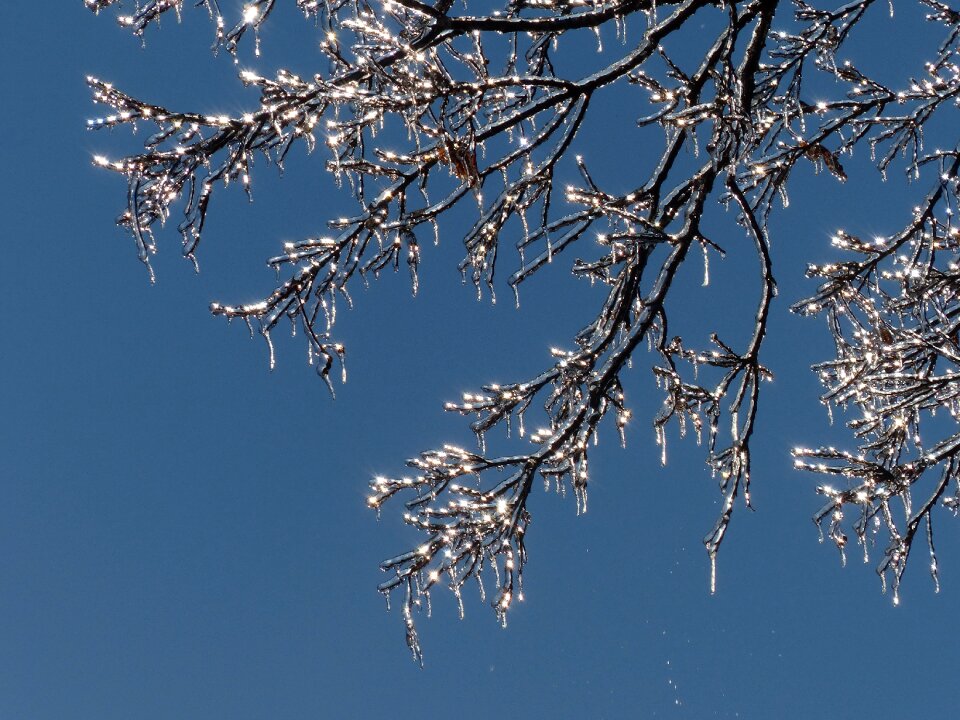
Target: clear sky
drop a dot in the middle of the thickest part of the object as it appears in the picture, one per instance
(183, 533)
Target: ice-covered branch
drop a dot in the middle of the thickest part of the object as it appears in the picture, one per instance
(422, 108)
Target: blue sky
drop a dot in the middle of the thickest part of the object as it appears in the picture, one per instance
(183, 532)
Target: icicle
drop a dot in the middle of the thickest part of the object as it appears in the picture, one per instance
(273, 359)
(459, 596)
(414, 279)
(325, 376)
(706, 265)
(581, 494)
(933, 555)
(479, 576)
